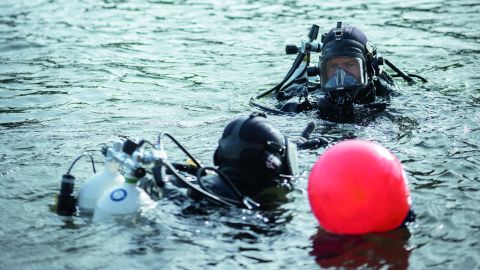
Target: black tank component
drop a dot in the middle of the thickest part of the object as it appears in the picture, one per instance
(66, 201)
(129, 147)
(66, 204)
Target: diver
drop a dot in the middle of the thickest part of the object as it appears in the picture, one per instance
(253, 159)
(255, 164)
(255, 156)
(350, 71)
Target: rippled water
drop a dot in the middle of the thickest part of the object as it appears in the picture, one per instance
(77, 74)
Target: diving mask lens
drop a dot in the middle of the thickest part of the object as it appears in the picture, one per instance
(342, 72)
(291, 158)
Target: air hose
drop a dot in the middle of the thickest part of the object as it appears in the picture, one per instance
(242, 200)
(405, 76)
(66, 202)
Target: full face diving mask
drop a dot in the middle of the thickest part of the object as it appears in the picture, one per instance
(343, 77)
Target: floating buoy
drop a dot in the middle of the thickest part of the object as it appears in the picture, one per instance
(358, 187)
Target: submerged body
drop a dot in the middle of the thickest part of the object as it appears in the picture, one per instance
(250, 184)
(375, 97)
(254, 165)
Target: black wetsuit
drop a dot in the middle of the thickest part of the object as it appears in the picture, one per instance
(263, 187)
(266, 188)
(373, 96)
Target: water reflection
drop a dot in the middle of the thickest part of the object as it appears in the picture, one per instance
(379, 250)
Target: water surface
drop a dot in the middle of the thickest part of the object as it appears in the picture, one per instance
(75, 75)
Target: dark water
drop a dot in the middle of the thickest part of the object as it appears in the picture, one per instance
(77, 74)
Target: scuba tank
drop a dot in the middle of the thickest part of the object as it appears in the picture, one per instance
(126, 198)
(94, 186)
(108, 186)
(116, 195)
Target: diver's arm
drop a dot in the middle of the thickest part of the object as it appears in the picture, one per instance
(297, 106)
(314, 143)
(305, 142)
(293, 106)
(298, 90)
(384, 85)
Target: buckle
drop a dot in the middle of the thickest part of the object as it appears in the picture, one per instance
(338, 32)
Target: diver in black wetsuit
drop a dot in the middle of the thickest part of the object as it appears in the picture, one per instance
(257, 159)
(254, 155)
(255, 163)
(351, 74)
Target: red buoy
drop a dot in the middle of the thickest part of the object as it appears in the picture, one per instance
(358, 187)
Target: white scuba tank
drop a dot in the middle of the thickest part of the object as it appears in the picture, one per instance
(121, 200)
(96, 185)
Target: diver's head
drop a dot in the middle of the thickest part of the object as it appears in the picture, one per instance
(254, 146)
(343, 63)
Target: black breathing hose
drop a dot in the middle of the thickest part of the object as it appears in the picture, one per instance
(206, 194)
(242, 201)
(78, 158)
(66, 202)
(419, 77)
(181, 148)
(223, 178)
(267, 109)
(295, 65)
(405, 76)
(399, 72)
